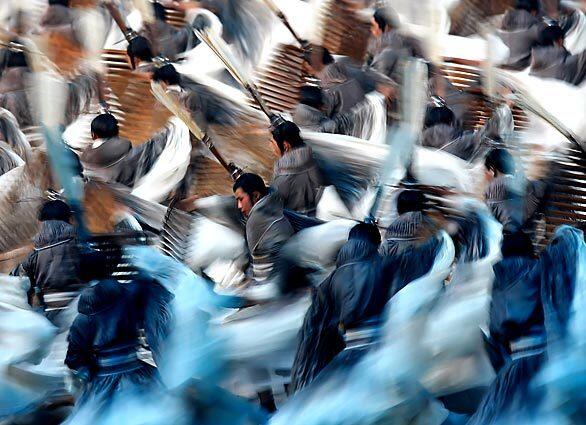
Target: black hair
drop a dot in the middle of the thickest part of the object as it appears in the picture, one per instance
(167, 74)
(311, 96)
(105, 126)
(326, 56)
(12, 59)
(384, 19)
(159, 11)
(96, 265)
(517, 244)
(55, 210)
(410, 200)
(139, 48)
(549, 35)
(287, 131)
(528, 5)
(435, 115)
(367, 232)
(250, 183)
(59, 2)
(500, 160)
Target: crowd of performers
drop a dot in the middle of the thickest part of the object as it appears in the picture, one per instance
(406, 315)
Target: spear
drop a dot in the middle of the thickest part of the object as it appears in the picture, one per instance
(173, 105)
(51, 96)
(279, 13)
(221, 50)
(402, 140)
(524, 99)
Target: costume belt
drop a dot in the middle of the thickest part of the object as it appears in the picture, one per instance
(56, 300)
(261, 267)
(118, 360)
(527, 346)
(360, 337)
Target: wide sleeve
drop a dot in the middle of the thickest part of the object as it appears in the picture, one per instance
(82, 89)
(319, 340)
(575, 69)
(79, 351)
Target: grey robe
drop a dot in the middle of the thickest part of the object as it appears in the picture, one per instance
(106, 162)
(13, 95)
(267, 230)
(407, 231)
(519, 32)
(402, 44)
(515, 211)
(353, 123)
(557, 62)
(172, 41)
(298, 181)
(469, 145)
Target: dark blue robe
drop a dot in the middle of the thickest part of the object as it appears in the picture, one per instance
(352, 297)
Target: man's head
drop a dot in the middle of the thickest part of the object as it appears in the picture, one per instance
(551, 35)
(139, 49)
(286, 137)
(531, 6)
(499, 162)
(249, 189)
(410, 200)
(435, 115)
(317, 58)
(312, 96)
(104, 126)
(167, 74)
(55, 210)
(382, 21)
(365, 232)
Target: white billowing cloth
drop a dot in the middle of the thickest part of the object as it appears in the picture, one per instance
(575, 38)
(170, 167)
(211, 242)
(24, 337)
(318, 246)
(437, 168)
(77, 134)
(453, 333)
(565, 102)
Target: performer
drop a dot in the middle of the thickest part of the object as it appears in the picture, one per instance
(411, 227)
(103, 339)
(385, 35)
(14, 72)
(519, 31)
(346, 308)
(514, 201)
(206, 105)
(104, 159)
(58, 13)
(267, 229)
(552, 60)
(314, 112)
(337, 79)
(52, 267)
(442, 132)
(171, 41)
(530, 307)
(296, 176)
